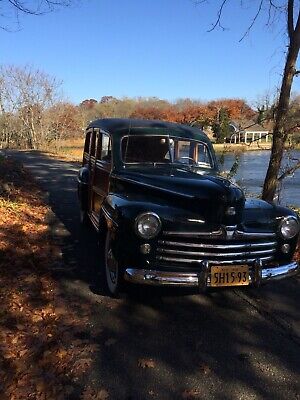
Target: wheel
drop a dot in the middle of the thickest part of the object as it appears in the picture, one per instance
(113, 273)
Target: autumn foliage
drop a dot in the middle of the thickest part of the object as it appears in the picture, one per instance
(34, 114)
(43, 352)
(190, 112)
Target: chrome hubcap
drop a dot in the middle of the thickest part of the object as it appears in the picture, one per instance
(112, 266)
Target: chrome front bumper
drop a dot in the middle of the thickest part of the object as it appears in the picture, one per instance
(158, 278)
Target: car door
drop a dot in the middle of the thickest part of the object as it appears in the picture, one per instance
(101, 169)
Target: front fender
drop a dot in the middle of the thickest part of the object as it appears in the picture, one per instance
(120, 214)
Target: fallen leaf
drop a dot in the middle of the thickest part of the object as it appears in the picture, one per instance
(82, 365)
(205, 369)
(191, 394)
(146, 363)
(93, 394)
(61, 353)
(22, 353)
(30, 279)
(37, 318)
(102, 395)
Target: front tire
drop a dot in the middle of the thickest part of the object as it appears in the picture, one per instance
(113, 272)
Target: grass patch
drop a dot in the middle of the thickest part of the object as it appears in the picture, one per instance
(72, 149)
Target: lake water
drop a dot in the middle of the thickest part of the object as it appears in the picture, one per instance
(252, 170)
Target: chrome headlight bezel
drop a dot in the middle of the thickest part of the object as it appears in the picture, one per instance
(284, 225)
(141, 220)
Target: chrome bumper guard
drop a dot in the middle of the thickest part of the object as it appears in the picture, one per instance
(201, 279)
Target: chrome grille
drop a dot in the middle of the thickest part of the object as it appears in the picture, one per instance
(195, 247)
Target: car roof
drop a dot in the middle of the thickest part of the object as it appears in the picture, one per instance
(122, 126)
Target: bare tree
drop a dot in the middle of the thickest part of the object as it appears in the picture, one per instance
(274, 9)
(12, 9)
(26, 94)
(280, 131)
(61, 121)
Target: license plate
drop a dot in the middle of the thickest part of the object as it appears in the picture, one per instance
(229, 276)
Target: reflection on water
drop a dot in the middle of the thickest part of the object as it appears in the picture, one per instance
(252, 170)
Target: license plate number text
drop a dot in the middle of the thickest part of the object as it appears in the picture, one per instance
(229, 276)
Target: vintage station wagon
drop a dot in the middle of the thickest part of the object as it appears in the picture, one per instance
(166, 216)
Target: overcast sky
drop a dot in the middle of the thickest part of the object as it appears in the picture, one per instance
(150, 48)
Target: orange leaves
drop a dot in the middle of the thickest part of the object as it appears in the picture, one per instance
(189, 111)
(92, 394)
(146, 363)
(41, 356)
(82, 365)
(205, 369)
(191, 394)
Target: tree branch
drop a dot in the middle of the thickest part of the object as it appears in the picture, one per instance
(42, 6)
(217, 23)
(289, 171)
(253, 21)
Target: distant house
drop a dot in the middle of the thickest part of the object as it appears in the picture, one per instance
(248, 133)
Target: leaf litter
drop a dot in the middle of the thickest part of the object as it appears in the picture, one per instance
(41, 356)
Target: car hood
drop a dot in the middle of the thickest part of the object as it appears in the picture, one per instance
(185, 182)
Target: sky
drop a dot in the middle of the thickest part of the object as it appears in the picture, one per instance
(146, 48)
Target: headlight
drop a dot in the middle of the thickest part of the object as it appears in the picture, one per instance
(147, 225)
(289, 227)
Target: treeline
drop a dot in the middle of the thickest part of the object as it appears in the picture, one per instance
(34, 115)
(215, 114)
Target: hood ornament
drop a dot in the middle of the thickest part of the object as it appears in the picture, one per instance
(230, 211)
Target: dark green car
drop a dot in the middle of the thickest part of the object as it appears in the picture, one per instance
(153, 192)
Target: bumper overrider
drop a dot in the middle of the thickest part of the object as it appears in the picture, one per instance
(258, 275)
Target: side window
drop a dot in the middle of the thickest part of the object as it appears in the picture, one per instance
(105, 152)
(203, 156)
(87, 142)
(94, 143)
(183, 151)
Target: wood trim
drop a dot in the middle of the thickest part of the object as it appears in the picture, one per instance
(97, 190)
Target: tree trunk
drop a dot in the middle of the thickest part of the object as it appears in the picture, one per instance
(279, 132)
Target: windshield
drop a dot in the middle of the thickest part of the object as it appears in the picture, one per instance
(153, 149)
